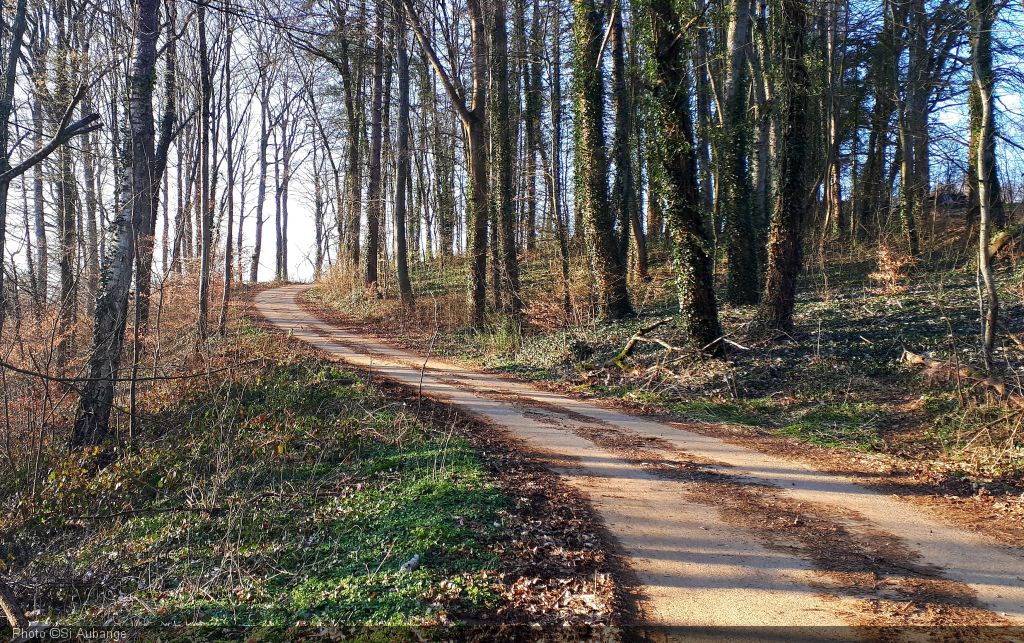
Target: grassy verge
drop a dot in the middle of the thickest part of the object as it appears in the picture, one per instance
(287, 494)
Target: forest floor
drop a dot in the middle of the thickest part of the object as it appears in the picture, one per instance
(284, 490)
(718, 530)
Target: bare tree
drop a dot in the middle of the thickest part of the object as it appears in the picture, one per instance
(92, 422)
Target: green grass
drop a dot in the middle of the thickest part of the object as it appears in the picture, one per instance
(847, 425)
(292, 497)
(752, 412)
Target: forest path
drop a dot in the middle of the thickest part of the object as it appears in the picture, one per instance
(717, 534)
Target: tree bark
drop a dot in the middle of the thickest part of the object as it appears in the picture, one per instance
(592, 163)
(375, 195)
(555, 163)
(785, 243)
(473, 118)
(261, 183)
(675, 149)
(504, 150)
(402, 159)
(741, 285)
(983, 15)
(92, 421)
(206, 200)
(225, 300)
(622, 104)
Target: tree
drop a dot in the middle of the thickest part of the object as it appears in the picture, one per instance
(785, 241)
(554, 163)
(230, 152)
(206, 199)
(622, 192)
(983, 16)
(592, 163)
(741, 287)
(504, 149)
(402, 178)
(683, 208)
(92, 421)
(65, 130)
(473, 117)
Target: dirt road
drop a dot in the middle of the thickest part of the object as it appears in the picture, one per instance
(718, 534)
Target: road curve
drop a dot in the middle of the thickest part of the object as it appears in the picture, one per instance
(718, 534)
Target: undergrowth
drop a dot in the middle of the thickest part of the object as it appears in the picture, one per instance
(290, 494)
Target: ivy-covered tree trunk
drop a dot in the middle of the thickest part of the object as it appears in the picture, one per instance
(504, 149)
(592, 163)
(555, 162)
(983, 15)
(785, 239)
(673, 139)
(741, 284)
(473, 118)
(622, 103)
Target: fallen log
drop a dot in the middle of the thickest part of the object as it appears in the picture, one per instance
(1003, 239)
(939, 370)
(15, 615)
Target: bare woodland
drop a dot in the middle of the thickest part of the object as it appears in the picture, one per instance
(157, 156)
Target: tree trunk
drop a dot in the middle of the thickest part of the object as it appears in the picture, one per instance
(473, 118)
(39, 205)
(555, 163)
(147, 234)
(883, 80)
(741, 285)
(983, 16)
(592, 163)
(93, 418)
(504, 150)
(785, 243)
(225, 300)
(375, 205)
(691, 243)
(622, 104)
(402, 160)
(261, 183)
(206, 200)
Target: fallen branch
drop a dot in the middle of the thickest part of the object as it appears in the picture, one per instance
(15, 615)
(640, 336)
(940, 370)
